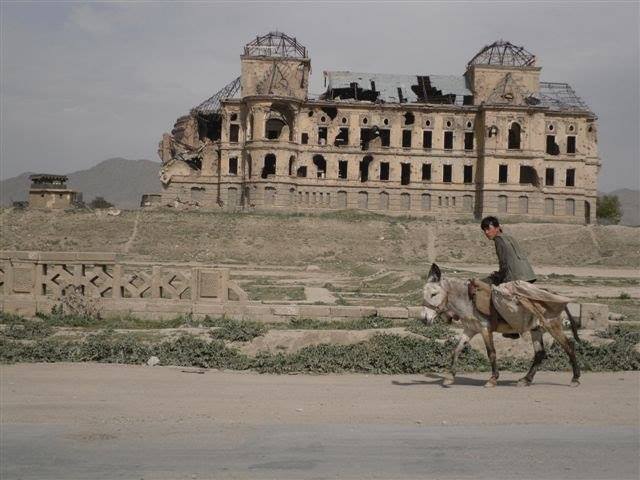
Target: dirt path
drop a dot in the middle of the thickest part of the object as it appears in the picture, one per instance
(111, 421)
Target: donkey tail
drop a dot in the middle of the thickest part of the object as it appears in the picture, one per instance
(572, 322)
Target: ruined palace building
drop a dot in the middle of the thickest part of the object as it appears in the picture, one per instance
(495, 140)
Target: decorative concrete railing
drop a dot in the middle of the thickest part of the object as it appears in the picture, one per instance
(35, 281)
(32, 282)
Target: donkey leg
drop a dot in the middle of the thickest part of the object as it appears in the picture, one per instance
(462, 342)
(487, 336)
(538, 348)
(555, 329)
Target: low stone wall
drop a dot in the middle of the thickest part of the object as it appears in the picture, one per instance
(32, 282)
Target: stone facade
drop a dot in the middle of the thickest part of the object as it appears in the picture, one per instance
(494, 141)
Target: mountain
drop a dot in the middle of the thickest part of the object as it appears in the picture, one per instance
(630, 203)
(120, 181)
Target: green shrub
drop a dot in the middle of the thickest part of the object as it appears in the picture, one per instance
(238, 331)
(608, 209)
(364, 323)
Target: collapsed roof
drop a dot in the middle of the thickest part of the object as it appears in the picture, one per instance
(392, 88)
(212, 105)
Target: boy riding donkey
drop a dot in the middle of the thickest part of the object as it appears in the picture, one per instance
(513, 266)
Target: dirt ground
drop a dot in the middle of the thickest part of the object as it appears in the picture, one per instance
(106, 398)
(339, 239)
(86, 421)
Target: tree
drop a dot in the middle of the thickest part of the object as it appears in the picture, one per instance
(100, 202)
(608, 209)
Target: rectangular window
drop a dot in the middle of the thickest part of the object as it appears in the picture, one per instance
(571, 177)
(406, 139)
(304, 138)
(502, 174)
(468, 173)
(427, 138)
(446, 173)
(233, 166)
(385, 137)
(468, 140)
(549, 176)
(234, 131)
(552, 146)
(342, 168)
(405, 173)
(426, 171)
(448, 140)
(571, 144)
(322, 135)
(384, 170)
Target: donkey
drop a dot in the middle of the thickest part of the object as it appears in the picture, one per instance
(450, 297)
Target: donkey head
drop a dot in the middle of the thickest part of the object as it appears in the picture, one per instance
(434, 296)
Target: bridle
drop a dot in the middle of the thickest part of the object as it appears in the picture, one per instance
(440, 309)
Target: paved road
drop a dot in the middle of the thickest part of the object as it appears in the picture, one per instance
(103, 421)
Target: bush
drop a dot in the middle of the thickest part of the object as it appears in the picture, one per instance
(237, 331)
(100, 203)
(608, 209)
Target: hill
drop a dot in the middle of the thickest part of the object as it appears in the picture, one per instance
(120, 181)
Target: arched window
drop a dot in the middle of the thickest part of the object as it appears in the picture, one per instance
(426, 202)
(523, 203)
(405, 201)
(570, 207)
(549, 206)
(514, 136)
(384, 201)
(502, 204)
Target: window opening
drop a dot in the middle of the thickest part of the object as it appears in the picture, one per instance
(384, 171)
(233, 166)
(321, 165)
(426, 171)
(502, 174)
(468, 140)
(234, 131)
(552, 146)
(528, 175)
(343, 137)
(468, 173)
(274, 128)
(269, 165)
(305, 138)
(514, 136)
(322, 135)
(405, 173)
(549, 177)
(427, 137)
(301, 172)
(364, 168)
(448, 140)
(571, 144)
(343, 168)
(406, 138)
(571, 177)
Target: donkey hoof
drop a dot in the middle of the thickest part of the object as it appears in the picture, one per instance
(575, 382)
(491, 383)
(447, 381)
(524, 382)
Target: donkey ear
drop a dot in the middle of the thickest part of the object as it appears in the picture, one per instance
(434, 273)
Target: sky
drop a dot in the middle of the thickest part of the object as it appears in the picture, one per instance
(82, 82)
